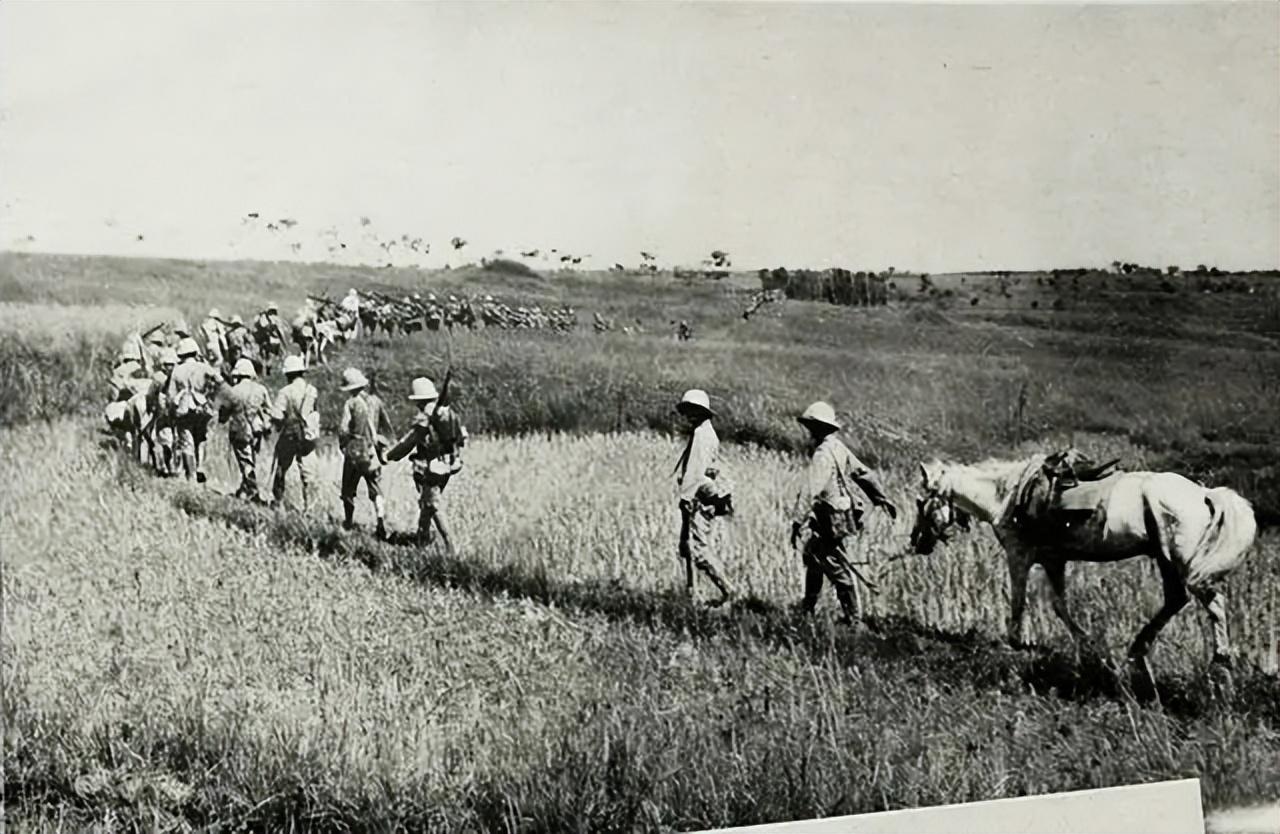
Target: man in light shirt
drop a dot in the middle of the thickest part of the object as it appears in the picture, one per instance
(830, 512)
(695, 473)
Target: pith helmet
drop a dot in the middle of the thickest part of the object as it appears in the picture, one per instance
(821, 414)
(214, 314)
(236, 319)
(156, 337)
(187, 347)
(424, 390)
(130, 351)
(293, 364)
(273, 307)
(169, 357)
(244, 369)
(180, 327)
(695, 400)
(353, 380)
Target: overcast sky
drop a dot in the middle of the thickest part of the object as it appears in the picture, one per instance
(926, 137)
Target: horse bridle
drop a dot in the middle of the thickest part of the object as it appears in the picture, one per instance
(955, 516)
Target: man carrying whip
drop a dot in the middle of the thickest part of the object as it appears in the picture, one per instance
(830, 512)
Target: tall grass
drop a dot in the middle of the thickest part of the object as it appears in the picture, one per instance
(1189, 376)
(174, 658)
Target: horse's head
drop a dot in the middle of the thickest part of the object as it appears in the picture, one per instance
(936, 513)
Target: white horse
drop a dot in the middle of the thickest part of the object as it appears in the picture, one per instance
(1197, 536)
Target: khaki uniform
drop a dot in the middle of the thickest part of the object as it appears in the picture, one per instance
(697, 519)
(189, 394)
(246, 406)
(215, 339)
(827, 490)
(360, 434)
(269, 332)
(237, 341)
(294, 402)
(160, 426)
(434, 448)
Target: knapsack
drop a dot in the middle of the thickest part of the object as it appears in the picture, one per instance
(302, 423)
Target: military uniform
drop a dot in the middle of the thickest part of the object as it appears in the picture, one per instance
(293, 404)
(269, 333)
(351, 311)
(160, 426)
(829, 511)
(215, 339)
(190, 390)
(433, 444)
(239, 344)
(697, 514)
(246, 407)
(360, 434)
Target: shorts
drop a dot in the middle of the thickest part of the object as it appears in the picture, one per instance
(430, 489)
(355, 470)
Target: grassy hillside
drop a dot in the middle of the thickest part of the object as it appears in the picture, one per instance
(1193, 377)
(175, 657)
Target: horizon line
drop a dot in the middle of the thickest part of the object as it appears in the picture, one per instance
(477, 263)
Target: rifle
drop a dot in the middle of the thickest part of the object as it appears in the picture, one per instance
(151, 330)
(444, 392)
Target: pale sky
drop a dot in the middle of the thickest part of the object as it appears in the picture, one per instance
(930, 137)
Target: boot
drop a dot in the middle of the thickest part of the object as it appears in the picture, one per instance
(721, 586)
(851, 616)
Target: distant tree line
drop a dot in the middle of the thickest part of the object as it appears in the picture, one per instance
(834, 286)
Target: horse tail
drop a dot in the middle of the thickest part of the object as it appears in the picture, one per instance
(1231, 531)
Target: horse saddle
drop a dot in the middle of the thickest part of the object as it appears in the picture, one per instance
(1068, 490)
(1070, 468)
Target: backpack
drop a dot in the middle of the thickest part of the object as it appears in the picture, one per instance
(832, 522)
(302, 423)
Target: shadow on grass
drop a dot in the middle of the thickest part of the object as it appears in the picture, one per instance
(915, 649)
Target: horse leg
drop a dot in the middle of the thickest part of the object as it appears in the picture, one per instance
(1214, 604)
(1175, 597)
(1019, 567)
(1056, 571)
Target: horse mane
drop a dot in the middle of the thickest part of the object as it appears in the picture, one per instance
(1008, 477)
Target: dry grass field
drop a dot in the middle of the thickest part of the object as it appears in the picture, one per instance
(175, 659)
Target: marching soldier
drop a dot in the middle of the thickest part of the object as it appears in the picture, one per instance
(160, 427)
(215, 338)
(295, 413)
(128, 381)
(190, 391)
(360, 435)
(239, 343)
(127, 367)
(434, 444)
(268, 332)
(831, 512)
(351, 310)
(695, 472)
(247, 407)
(304, 332)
